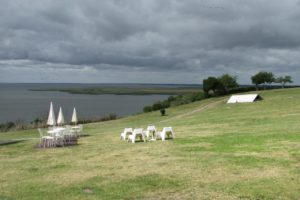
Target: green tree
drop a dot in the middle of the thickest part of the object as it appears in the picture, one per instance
(229, 82)
(283, 80)
(262, 78)
(212, 84)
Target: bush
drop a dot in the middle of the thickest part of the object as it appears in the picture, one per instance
(7, 126)
(147, 109)
(196, 97)
(175, 101)
(241, 89)
(171, 98)
(163, 112)
(178, 101)
(37, 122)
(157, 106)
(21, 125)
(166, 104)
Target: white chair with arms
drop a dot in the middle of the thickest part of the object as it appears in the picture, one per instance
(127, 131)
(166, 133)
(150, 131)
(46, 141)
(138, 132)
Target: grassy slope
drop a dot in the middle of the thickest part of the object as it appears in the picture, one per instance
(243, 151)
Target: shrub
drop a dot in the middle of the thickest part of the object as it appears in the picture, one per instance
(241, 89)
(21, 125)
(157, 106)
(147, 109)
(7, 126)
(37, 122)
(175, 101)
(196, 96)
(171, 98)
(178, 102)
(163, 112)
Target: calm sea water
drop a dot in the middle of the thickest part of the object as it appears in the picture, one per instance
(18, 103)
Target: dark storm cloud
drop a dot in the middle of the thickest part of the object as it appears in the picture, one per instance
(204, 37)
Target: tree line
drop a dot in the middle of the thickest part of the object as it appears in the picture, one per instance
(268, 78)
(216, 86)
(228, 84)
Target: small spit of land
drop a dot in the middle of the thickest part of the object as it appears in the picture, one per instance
(134, 89)
(221, 151)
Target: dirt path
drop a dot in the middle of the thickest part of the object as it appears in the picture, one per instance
(199, 109)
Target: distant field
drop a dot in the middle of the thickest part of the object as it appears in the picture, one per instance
(239, 151)
(118, 90)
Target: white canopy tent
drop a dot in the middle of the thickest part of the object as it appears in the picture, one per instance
(51, 118)
(60, 119)
(246, 98)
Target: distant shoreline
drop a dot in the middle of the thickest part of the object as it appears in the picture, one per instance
(129, 90)
(135, 89)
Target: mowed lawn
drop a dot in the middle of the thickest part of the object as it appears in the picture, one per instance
(242, 151)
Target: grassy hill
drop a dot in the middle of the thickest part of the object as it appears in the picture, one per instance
(242, 151)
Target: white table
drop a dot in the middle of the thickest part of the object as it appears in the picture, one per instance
(75, 127)
(56, 131)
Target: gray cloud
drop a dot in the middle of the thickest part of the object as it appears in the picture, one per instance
(124, 41)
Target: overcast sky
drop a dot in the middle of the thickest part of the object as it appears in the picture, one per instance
(147, 41)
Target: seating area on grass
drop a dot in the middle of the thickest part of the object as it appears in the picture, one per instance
(150, 134)
(59, 136)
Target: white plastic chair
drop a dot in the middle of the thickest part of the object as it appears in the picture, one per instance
(75, 130)
(127, 131)
(80, 131)
(150, 131)
(166, 133)
(59, 137)
(46, 140)
(138, 132)
(68, 134)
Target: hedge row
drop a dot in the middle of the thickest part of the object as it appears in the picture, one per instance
(175, 101)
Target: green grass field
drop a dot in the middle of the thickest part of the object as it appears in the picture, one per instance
(242, 151)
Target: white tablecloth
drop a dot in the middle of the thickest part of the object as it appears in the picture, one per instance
(56, 131)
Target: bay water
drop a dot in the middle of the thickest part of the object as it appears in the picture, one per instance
(17, 102)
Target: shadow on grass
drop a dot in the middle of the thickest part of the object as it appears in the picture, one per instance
(39, 146)
(85, 135)
(8, 142)
(157, 140)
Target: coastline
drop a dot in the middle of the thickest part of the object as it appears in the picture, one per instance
(128, 90)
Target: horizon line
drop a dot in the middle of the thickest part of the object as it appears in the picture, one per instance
(99, 83)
